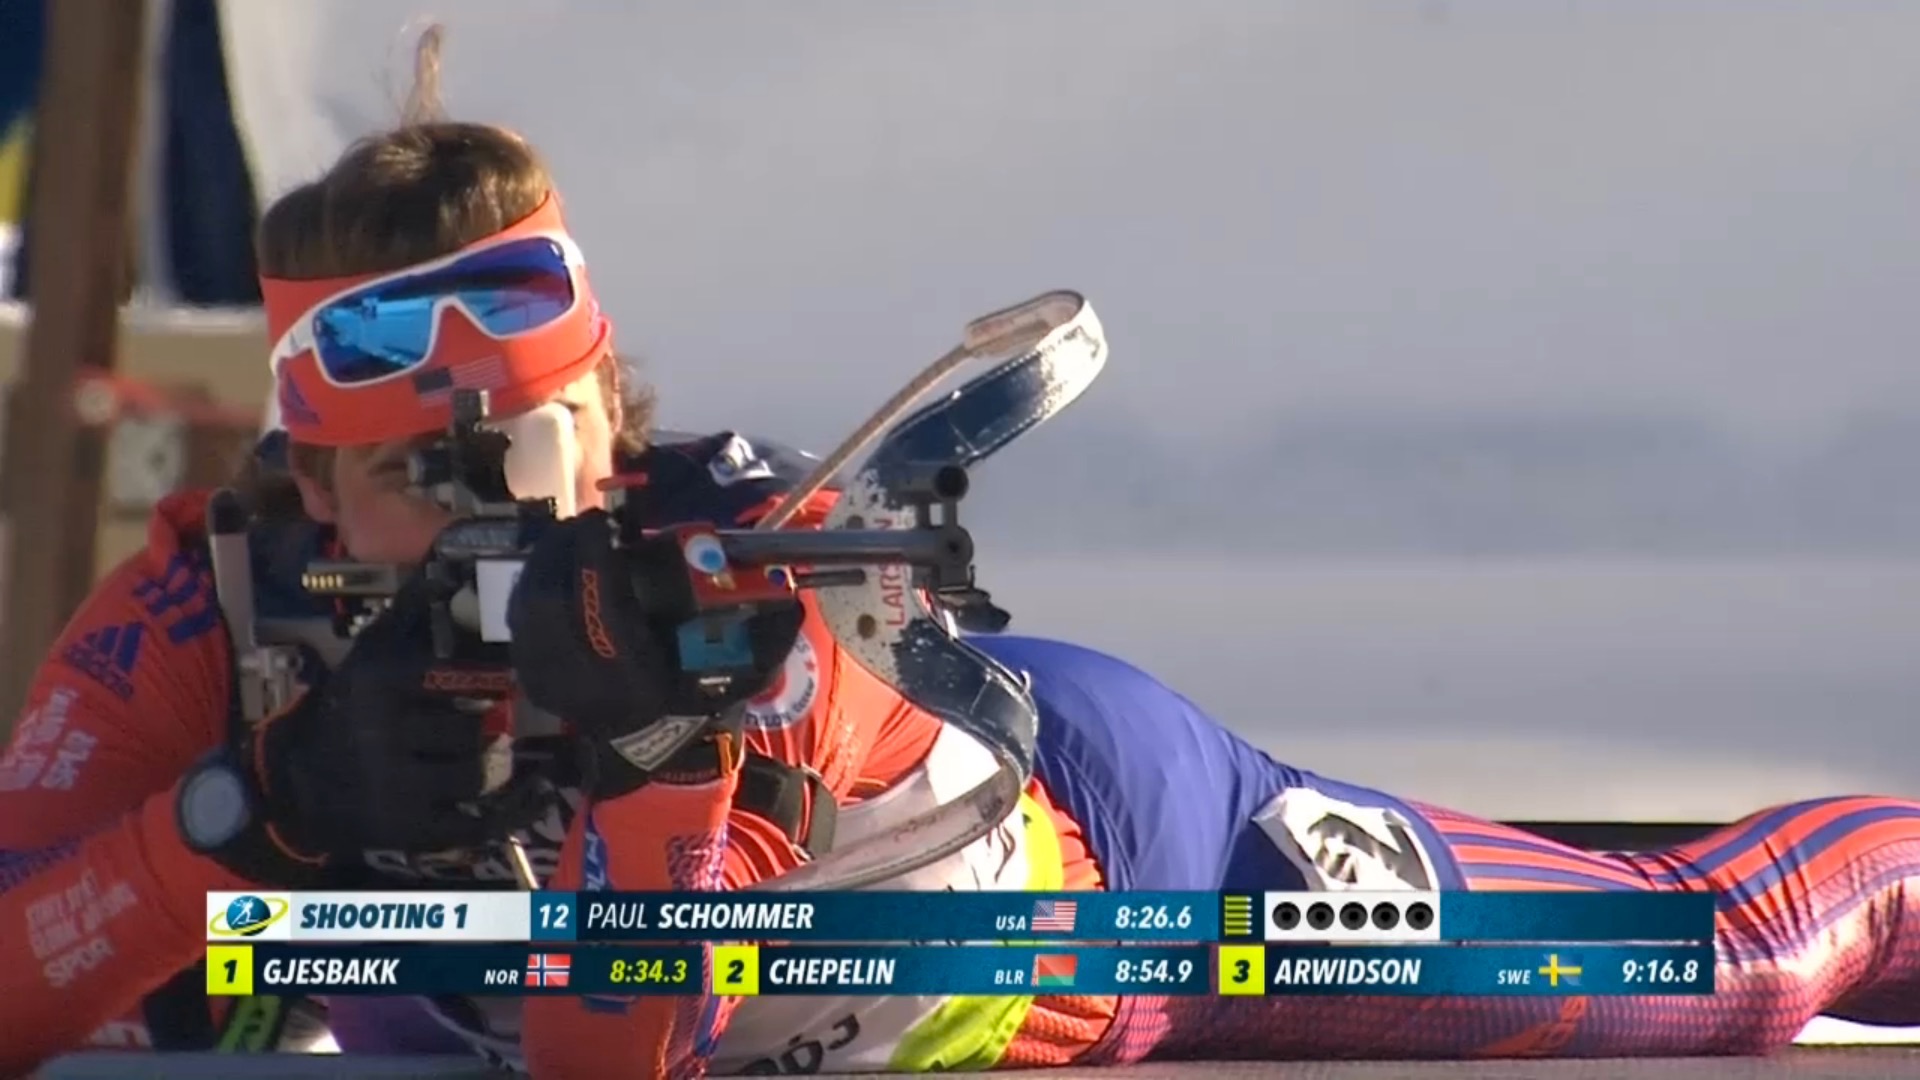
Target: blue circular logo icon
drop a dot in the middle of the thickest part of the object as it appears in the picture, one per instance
(246, 916)
(705, 554)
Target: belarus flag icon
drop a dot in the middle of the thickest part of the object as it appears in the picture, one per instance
(1055, 969)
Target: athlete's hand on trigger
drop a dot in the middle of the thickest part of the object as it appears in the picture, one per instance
(586, 649)
(388, 751)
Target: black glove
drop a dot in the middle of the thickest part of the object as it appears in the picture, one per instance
(388, 751)
(595, 643)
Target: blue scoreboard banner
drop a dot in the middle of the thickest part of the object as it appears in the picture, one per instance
(959, 917)
(932, 917)
(414, 968)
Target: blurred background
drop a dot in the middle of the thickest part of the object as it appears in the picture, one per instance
(1513, 402)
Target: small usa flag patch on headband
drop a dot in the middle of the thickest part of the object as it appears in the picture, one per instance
(436, 387)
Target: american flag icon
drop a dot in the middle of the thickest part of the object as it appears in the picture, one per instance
(548, 969)
(1054, 916)
(436, 386)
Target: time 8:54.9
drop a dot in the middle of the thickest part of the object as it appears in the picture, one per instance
(648, 971)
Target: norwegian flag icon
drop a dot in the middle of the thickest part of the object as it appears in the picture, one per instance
(548, 969)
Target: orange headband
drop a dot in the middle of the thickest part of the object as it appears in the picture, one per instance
(518, 372)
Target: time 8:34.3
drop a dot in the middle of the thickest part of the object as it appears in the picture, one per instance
(648, 971)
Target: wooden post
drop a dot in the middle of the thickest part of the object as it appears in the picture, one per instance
(85, 126)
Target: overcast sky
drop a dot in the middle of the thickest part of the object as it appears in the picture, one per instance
(1501, 278)
(1274, 204)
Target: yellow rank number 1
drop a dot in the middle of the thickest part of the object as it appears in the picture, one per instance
(229, 970)
(1243, 969)
(736, 970)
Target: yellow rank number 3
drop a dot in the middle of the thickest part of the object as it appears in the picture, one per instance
(1242, 969)
(229, 970)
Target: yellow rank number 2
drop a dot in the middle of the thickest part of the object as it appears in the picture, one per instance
(736, 970)
(229, 970)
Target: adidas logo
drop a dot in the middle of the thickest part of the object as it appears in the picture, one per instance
(293, 403)
(107, 656)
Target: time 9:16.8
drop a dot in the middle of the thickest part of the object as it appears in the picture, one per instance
(1664, 971)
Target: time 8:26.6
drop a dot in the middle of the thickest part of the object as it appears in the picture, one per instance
(1153, 917)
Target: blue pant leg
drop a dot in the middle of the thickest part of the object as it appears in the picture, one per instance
(1167, 796)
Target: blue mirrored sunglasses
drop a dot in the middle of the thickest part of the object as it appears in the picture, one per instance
(387, 328)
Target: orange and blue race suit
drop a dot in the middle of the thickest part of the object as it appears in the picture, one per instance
(1819, 912)
(102, 904)
(1819, 903)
